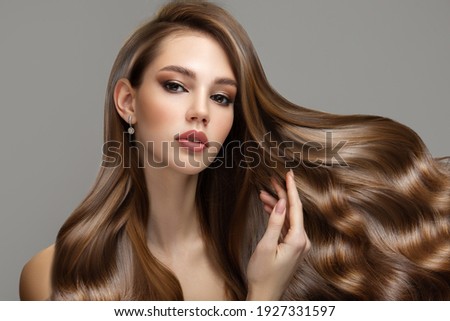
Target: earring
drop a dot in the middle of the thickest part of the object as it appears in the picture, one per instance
(130, 129)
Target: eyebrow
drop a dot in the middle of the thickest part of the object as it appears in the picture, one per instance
(191, 74)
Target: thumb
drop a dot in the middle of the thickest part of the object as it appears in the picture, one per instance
(275, 224)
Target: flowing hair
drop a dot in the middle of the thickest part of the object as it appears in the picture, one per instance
(376, 204)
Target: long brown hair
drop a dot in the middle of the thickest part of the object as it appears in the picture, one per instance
(377, 212)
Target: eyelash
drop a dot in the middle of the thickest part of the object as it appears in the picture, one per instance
(169, 86)
(222, 97)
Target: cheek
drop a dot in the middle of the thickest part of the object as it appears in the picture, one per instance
(154, 114)
(225, 124)
(152, 111)
(229, 124)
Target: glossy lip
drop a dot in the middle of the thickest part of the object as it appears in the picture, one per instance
(194, 140)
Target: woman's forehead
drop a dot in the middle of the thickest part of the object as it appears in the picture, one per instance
(195, 51)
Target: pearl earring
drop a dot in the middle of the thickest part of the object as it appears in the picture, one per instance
(130, 129)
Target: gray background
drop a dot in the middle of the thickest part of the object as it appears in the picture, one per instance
(389, 58)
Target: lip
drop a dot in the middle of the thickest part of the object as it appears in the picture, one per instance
(193, 140)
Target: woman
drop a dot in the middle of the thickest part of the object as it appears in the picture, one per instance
(179, 202)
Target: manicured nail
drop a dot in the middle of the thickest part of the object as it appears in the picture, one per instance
(281, 206)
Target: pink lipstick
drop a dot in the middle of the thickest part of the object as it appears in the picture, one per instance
(194, 140)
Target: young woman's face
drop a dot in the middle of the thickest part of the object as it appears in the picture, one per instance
(184, 106)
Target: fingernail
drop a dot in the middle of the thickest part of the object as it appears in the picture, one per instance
(281, 206)
(291, 172)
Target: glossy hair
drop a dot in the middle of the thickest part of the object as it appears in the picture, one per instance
(377, 213)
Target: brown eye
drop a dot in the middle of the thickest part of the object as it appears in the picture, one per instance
(221, 99)
(174, 87)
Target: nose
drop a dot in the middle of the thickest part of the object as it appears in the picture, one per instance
(198, 111)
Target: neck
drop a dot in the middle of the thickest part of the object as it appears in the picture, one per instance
(173, 220)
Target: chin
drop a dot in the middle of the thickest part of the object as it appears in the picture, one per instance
(191, 166)
(192, 163)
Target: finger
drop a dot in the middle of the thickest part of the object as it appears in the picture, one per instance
(267, 199)
(295, 204)
(275, 225)
(268, 209)
(295, 207)
(281, 192)
(278, 189)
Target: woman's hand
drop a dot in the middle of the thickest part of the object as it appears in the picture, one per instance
(283, 245)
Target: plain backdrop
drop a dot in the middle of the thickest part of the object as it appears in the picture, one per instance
(384, 57)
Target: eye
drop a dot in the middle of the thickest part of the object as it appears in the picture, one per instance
(174, 87)
(221, 99)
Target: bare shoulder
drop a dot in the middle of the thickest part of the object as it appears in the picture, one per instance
(35, 280)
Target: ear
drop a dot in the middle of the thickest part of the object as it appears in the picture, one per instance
(124, 99)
